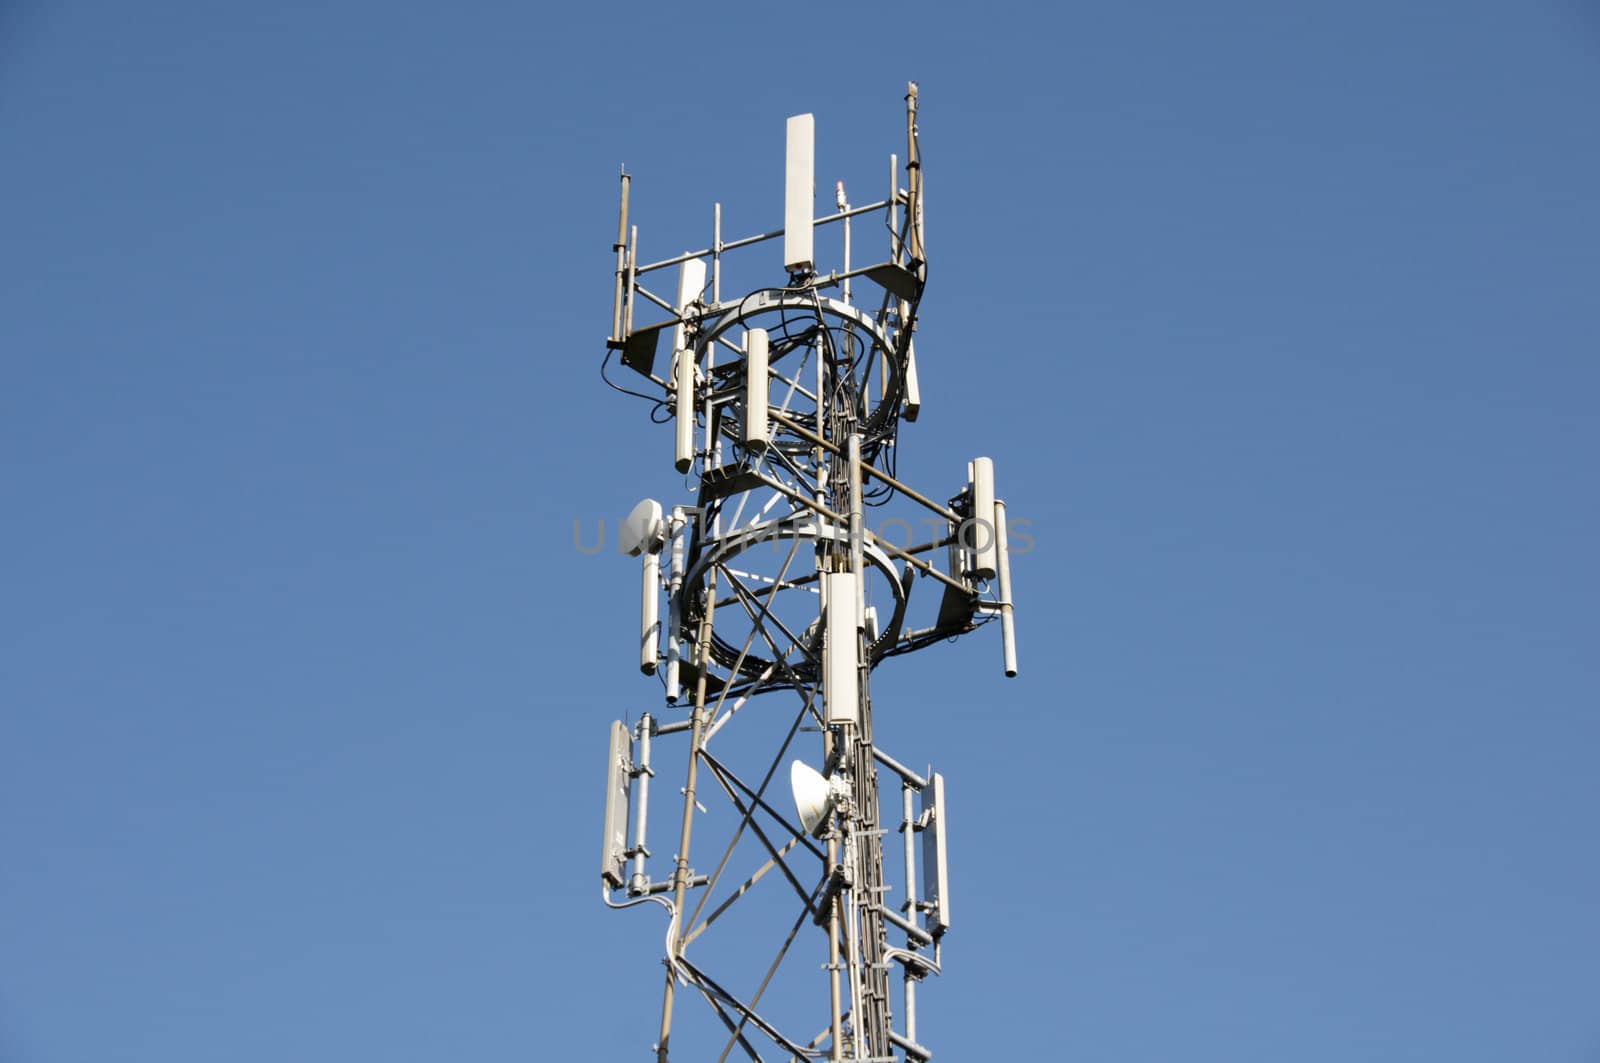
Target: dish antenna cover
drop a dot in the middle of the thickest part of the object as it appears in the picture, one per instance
(643, 530)
(812, 796)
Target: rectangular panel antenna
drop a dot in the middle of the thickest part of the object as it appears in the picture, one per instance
(678, 530)
(615, 844)
(935, 863)
(691, 281)
(841, 648)
(755, 389)
(980, 536)
(913, 397)
(799, 193)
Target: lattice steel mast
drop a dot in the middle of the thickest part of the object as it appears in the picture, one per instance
(786, 403)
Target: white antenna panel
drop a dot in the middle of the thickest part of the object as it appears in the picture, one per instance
(935, 861)
(913, 394)
(982, 540)
(799, 193)
(615, 843)
(841, 648)
(755, 389)
(691, 282)
(676, 533)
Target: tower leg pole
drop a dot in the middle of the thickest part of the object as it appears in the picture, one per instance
(680, 871)
(836, 1009)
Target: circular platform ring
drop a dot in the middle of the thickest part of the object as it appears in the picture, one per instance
(778, 300)
(798, 526)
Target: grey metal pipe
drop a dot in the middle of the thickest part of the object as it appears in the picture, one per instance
(641, 807)
(907, 828)
(734, 245)
(911, 1048)
(680, 873)
(914, 932)
(869, 470)
(914, 780)
(835, 1004)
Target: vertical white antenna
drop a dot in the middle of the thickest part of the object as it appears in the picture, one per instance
(913, 404)
(981, 531)
(842, 205)
(935, 870)
(841, 647)
(677, 531)
(894, 209)
(1008, 634)
(621, 248)
(614, 844)
(649, 619)
(799, 194)
(755, 389)
(691, 281)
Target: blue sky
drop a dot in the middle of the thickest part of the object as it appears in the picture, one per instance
(1278, 320)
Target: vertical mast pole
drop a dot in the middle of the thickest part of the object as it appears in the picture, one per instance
(680, 870)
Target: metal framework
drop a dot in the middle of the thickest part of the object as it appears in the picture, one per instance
(787, 402)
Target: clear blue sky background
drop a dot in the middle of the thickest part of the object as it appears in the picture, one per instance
(1279, 320)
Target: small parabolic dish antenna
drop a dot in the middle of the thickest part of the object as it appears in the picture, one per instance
(812, 796)
(643, 530)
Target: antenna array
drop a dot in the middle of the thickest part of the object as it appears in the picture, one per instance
(787, 402)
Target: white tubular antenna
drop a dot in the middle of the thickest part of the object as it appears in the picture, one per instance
(691, 281)
(649, 615)
(799, 193)
(755, 389)
(982, 535)
(1008, 634)
(674, 594)
(841, 648)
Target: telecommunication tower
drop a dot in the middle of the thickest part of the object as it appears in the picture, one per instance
(780, 600)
